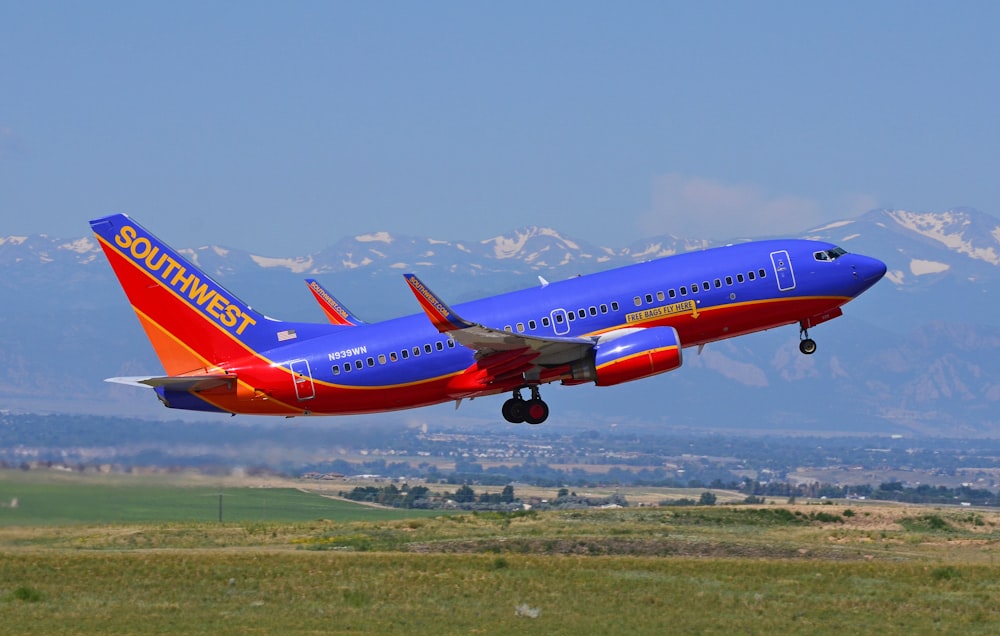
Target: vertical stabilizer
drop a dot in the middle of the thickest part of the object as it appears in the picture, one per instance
(193, 322)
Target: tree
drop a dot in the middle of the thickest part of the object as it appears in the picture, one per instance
(417, 492)
(707, 499)
(507, 495)
(388, 495)
(465, 494)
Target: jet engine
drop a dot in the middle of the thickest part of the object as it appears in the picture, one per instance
(630, 354)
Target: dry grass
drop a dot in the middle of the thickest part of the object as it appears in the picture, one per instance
(264, 592)
(722, 569)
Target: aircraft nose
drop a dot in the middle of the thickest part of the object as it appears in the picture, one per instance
(868, 271)
(872, 269)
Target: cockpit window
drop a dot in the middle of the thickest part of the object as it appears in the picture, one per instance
(830, 255)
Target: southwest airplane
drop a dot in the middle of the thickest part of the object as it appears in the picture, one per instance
(615, 326)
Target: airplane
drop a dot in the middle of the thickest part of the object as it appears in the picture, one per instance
(221, 355)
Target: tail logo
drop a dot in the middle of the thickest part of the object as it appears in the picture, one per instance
(148, 255)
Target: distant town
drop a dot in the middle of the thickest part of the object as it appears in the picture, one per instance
(392, 464)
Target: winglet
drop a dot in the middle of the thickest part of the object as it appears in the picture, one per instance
(440, 314)
(335, 311)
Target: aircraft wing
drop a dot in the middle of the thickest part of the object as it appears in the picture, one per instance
(487, 341)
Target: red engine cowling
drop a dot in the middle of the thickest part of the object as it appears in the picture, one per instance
(632, 356)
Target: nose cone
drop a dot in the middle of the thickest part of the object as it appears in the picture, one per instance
(874, 269)
(868, 271)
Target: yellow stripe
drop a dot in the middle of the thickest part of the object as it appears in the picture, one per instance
(720, 307)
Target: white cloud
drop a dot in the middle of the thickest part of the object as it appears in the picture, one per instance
(707, 208)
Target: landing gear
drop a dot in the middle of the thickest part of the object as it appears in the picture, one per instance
(533, 411)
(806, 344)
(513, 409)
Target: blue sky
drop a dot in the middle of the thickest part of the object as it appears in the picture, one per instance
(282, 127)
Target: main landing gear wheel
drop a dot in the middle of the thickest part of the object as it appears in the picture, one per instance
(806, 344)
(513, 410)
(537, 412)
(517, 410)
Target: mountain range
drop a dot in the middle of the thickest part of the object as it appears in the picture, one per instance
(917, 354)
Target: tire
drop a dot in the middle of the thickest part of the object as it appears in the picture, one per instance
(514, 410)
(536, 412)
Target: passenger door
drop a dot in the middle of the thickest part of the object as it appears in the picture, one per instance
(783, 270)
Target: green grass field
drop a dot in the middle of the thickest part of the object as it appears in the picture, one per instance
(805, 569)
(58, 499)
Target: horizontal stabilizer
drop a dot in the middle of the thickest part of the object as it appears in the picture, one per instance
(178, 383)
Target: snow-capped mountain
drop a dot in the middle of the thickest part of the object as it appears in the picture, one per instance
(920, 352)
(963, 241)
(914, 245)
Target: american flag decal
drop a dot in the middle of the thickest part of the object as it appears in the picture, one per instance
(288, 334)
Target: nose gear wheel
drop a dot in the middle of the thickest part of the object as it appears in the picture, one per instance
(806, 344)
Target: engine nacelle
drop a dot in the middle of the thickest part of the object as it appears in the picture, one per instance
(638, 354)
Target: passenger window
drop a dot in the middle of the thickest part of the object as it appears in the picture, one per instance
(718, 283)
(532, 325)
(336, 370)
(371, 361)
(729, 280)
(614, 305)
(381, 358)
(649, 298)
(671, 293)
(659, 296)
(694, 288)
(416, 351)
(751, 276)
(508, 329)
(593, 311)
(520, 327)
(405, 353)
(581, 313)
(347, 367)
(684, 291)
(571, 315)
(706, 286)
(559, 318)
(604, 308)
(451, 343)
(427, 348)
(393, 357)
(439, 345)
(358, 364)
(545, 322)
(739, 278)
(762, 273)
(637, 300)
